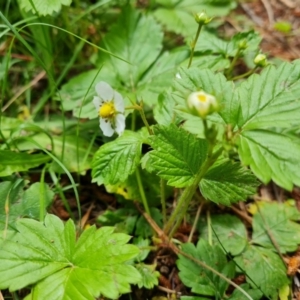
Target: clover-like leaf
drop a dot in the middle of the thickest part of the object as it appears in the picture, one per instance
(264, 270)
(279, 220)
(116, 160)
(44, 7)
(227, 182)
(177, 155)
(48, 257)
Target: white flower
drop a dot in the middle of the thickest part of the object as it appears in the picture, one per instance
(110, 107)
(202, 104)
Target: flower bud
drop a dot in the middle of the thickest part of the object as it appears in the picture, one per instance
(202, 18)
(260, 60)
(202, 104)
(243, 45)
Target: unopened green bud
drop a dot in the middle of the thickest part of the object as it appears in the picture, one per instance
(260, 60)
(243, 45)
(202, 18)
(202, 104)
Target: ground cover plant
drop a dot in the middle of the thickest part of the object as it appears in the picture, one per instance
(143, 148)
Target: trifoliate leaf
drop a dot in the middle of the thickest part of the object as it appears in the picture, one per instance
(48, 257)
(149, 276)
(270, 99)
(44, 7)
(77, 94)
(271, 155)
(137, 39)
(199, 279)
(193, 80)
(264, 270)
(280, 220)
(177, 155)
(227, 182)
(12, 162)
(116, 160)
(227, 231)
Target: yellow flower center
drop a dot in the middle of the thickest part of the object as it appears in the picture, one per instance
(107, 110)
(202, 98)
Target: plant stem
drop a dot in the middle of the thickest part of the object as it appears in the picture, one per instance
(141, 110)
(141, 190)
(186, 197)
(232, 64)
(209, 231)
(250, 72)
(163, 200)
(194, 44)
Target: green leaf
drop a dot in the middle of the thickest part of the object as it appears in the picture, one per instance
(213, 62)
(177, 16)
(136, 38)
(48, 256)
(115, 161)
(193, 80)
(280, 220)
(270, 99)
(227, 182)
(254, 293)
(177, 155)
(228, 232)
(11, 162)
(71, 150)
(264, 269)
(160, 76)
(271, 155)
(215, 45)
(199, 279)
(149, 276)
(44, 7)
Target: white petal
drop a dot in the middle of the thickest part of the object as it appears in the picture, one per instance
(119, 102)
(104, 91)
(105, 126)
(97, 102)
(120, 124)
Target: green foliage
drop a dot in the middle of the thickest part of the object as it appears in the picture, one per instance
(255, 294)
(227, 231)
(11, 162)
(264, 270)
(22, 203)
(279, 221)
(201, 280)
(177, 16)
(177, 155)
(149, 276)
(116, 160)
(227, 182)
(48, 256)
(43, 7)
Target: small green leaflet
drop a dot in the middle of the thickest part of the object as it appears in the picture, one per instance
(228, 182)
(12, 162)
(227, 231)
(280, 220)
(22, 203)
(116, 160)
(177, 155)
(201, 280)
(265, 268)
(149, 276)
(44, 7)
(48, 257)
